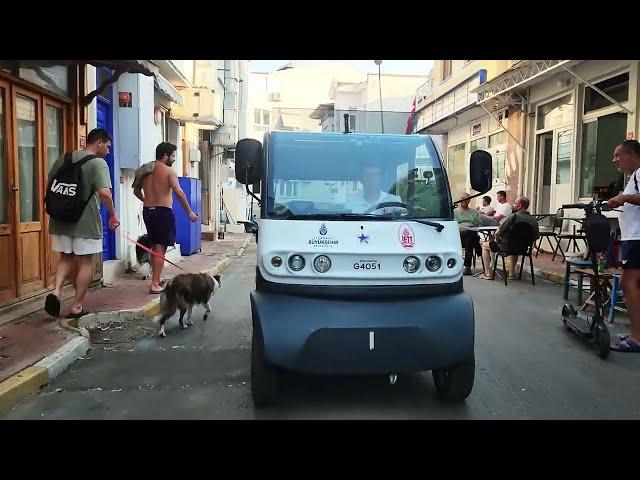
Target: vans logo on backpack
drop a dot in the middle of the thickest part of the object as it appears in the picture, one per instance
(68, 189)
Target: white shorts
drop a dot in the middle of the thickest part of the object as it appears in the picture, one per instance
(75, 245)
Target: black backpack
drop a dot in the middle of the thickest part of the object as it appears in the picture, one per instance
(65, 197)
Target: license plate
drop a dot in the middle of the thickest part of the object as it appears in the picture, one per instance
(367, 265)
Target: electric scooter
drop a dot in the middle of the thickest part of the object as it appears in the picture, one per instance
(592, 327)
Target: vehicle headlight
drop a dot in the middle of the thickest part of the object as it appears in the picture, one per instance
(322, 263)
(451, 262)
(411, 264)
(296, 262)
(433, 263)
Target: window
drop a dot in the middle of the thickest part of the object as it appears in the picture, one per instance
(496, 139)
(54, 135)
(352, 123)
(616, 87)
(457, 169)
(26, 109)
(446, 69)
(261, 120)
(563, 162)
(599, 139)
(555, 113)
(479, 144)
(499, 161)
(103, 74)
(54, 79)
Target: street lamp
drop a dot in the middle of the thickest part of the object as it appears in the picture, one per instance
(379, 62)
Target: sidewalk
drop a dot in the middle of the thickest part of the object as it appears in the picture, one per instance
(36, 347)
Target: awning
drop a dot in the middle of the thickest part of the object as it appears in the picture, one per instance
(517, 78)
(144, 67)
(167, 89)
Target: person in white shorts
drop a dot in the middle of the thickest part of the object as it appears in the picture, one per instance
(78, 242)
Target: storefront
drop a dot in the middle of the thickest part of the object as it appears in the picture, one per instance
(574, 129)
(43, 113)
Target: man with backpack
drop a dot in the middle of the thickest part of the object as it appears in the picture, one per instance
(76, 181)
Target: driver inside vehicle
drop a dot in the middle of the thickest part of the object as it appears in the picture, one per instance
(372, 194)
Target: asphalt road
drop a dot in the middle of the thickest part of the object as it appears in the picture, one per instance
(527, 367)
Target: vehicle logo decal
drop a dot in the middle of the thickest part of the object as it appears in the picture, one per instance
(364, 238)
(323, 229)
(406, 236)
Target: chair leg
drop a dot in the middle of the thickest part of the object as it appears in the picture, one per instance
(504, 270)
(567, 275)
(495, 265)
(580, 283)
(533, 277)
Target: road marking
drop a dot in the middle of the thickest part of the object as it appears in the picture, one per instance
(371, 341)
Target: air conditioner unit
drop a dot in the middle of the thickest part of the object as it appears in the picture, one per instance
(199, 107)
(194, 155)
(225, 136)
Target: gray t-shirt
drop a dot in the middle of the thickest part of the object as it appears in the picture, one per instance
(95, 175)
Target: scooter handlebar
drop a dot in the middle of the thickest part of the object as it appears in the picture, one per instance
(600, 203)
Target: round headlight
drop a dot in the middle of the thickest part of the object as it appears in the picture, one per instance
(433, 263)
(296, 262)
(322, 263)
(411, 264)
(276, 261)
(451, 262)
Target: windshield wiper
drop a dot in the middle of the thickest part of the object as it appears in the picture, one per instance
(438, 226)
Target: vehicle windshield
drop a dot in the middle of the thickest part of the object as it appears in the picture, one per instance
(354, 175)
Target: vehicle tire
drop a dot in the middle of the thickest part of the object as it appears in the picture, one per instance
(264, 378)
(454, 384)
(604, 343)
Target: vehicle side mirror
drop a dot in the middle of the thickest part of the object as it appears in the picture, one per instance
(249, 157)
(481, 171)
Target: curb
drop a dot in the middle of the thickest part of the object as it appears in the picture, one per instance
(30, 380)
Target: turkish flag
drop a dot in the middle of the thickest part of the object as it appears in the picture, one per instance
(409, 129)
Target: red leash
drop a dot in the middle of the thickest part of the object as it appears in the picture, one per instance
(146, 249)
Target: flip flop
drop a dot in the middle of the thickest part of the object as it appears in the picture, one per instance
(626, 346)
(82, 313)
(156, 292)
(485, 277)
(52, 305)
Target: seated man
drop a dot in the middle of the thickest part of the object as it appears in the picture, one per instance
(466, 218)
(502, 237)
(372, 194)
(486, 207)
(504, 208)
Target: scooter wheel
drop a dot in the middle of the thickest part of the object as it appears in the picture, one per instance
(604, 343)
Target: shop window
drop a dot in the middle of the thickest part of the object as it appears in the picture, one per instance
(479, 144)
(555, 113)
(496, 139)
(563, 162)
(457, 170)
(616, 87)
(499, 163)
(599, 140)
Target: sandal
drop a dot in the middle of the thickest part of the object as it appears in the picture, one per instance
(484, 276)
(52, 305)
(82, 313)
(156, 292)
(626, 346)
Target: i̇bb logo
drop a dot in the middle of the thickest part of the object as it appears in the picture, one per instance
(406, 236)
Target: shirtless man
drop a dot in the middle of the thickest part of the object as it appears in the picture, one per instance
(153, 185)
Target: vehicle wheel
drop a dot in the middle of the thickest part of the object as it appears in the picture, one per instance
(454, 384)
(264, 378)
(604, 343)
